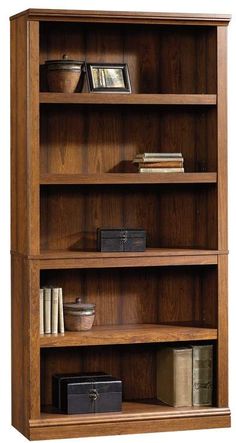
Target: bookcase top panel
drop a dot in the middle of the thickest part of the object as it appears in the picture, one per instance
(125, 17)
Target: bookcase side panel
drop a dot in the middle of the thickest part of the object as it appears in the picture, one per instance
(19, 221)
(222, 136)
(222, 357)
(24, 136)
(25, 343)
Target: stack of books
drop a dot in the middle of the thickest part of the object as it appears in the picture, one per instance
(51, 311)
(159, 162)
(185, 375)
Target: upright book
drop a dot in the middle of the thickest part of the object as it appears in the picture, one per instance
(202, 375)
(174, 376)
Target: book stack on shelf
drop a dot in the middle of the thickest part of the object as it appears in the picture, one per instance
(185, 375)
(51, 311)
(155, 162)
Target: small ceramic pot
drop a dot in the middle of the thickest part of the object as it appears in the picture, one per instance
(79, 316)
(63, 75)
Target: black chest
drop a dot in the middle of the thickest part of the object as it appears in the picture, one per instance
(121, 240)
(87, 394)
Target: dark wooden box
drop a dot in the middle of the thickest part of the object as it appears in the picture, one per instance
(57, 380)
(121, 240)
(91, 394)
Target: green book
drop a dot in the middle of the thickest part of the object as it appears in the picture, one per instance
(202, 375)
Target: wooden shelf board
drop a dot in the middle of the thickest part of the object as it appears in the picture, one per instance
(130, 411)
(128, 178)
(126, 334)
(127, 99)
(150, 252)
(65, 259)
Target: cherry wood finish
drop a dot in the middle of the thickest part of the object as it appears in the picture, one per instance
(71, 157)
(173, 216)
(103, 139)
(124, 16)
(128, 99)
(127, 178)
(131, 427)
(143, 333)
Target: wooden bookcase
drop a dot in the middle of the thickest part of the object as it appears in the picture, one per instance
(72, 173)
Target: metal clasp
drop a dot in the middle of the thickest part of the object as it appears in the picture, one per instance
(93, 394)
(124, 236)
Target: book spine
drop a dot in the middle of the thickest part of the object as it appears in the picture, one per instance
(54, 310)
(164, 164)
(47, 310)
(159, 160)
(202, 375)
(183, 377)
(41, 310)
(160, 154)
(61, 311)
(162, 170)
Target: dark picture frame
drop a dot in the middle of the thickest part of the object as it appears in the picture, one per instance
(108, 77)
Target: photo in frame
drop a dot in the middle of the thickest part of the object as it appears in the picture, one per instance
(108, 77)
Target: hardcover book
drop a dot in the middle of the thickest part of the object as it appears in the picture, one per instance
(202, 375)
(174, 376)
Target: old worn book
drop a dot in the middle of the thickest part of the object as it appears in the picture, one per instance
(47, 310)
(160, 154)
(161, 164)
(161, 170)
(61, 327)
(202, 375)
(161, 160)
(54, 310)
(41, 310)
(174, 376)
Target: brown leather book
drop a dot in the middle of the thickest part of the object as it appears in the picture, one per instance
(174, 376)
(166, 164)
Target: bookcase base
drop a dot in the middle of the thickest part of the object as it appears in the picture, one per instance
(46, 428)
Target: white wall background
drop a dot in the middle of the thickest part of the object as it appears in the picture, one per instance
(8, 8)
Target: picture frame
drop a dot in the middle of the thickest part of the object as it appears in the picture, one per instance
(108, 77)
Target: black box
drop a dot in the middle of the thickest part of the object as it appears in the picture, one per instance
(58, 378)
(91, 394)
(121, 240)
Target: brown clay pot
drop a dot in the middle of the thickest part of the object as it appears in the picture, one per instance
(79, 316)
(63, 75)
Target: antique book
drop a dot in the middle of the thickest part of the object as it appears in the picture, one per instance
(160, 154)
(54, 310)
(174, 376)
(162, 170)
(61, 327)
(202, 375)
(161, 164)
(161, 160)
(47, 310)
(41, 310)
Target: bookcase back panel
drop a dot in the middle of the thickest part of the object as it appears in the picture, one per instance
(160, 59)
(98, 139)
(135, 365)
(176, 295)
(173, 216)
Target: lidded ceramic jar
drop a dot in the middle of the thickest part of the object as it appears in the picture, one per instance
(79, 316)
(63, 75)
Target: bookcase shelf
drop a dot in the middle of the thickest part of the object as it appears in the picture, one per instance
(126, 334)
(151, 257)
(126, 178)
(128, 99)
(71, 157)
